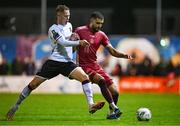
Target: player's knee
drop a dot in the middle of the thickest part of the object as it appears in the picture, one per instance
(84, 77)
(32, 86)
(113, 89)
(114, 92)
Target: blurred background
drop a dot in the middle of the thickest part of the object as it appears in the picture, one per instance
(147, 30)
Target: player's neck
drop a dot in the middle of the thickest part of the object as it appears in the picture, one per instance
(60, 23)
(92, 31)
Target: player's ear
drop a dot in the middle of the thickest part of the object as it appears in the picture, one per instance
(91, 20)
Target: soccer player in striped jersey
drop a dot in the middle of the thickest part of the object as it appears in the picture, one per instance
(60, 62)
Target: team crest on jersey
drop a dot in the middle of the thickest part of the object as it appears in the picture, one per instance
(91, 40)
(55, 35)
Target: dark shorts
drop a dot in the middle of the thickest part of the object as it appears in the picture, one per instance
(93, 69)
(53, 68)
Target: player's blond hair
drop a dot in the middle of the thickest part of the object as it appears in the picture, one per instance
(61, 8)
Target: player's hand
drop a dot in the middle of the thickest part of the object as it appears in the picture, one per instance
(84, 43)
(130, 57)
(74, 36)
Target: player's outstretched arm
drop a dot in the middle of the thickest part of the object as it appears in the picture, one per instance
(66, 42)
(116, 53)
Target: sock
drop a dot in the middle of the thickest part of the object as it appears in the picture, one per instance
(26, 91)
(113, 106)
(115, 98)
(87, 89)
(105, 91)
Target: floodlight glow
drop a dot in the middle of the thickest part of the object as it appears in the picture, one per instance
(164, 42)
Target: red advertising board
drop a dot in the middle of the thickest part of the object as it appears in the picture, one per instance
(149, 84)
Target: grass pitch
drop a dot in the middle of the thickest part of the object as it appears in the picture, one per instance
(68, 109)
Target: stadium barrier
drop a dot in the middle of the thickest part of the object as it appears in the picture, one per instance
(59, 84)
(125, 84)
(149, 84)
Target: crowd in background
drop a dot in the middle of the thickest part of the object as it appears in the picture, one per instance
(28, 66)
(18, 67)
(147, 68)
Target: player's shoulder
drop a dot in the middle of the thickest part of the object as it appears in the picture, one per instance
(53, 27)
(56, 26)
(69, 24)
(102, 33)
(81, 28)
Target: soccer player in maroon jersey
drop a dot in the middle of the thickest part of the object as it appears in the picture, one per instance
(88, 60)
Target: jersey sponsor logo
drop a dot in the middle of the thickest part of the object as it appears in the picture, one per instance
(55, 35)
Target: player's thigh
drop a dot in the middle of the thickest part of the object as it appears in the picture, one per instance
(79, 74)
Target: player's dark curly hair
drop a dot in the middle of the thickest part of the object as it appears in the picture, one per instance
(97, 14)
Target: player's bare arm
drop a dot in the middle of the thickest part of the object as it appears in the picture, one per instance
(116, 53)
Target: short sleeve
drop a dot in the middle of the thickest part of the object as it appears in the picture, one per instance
(54, 33)
(105, 39)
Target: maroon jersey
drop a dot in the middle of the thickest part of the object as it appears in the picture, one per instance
(87, 55)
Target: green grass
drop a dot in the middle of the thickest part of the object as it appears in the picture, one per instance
(66, 109)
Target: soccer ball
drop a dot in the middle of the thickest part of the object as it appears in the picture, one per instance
(143, 114)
